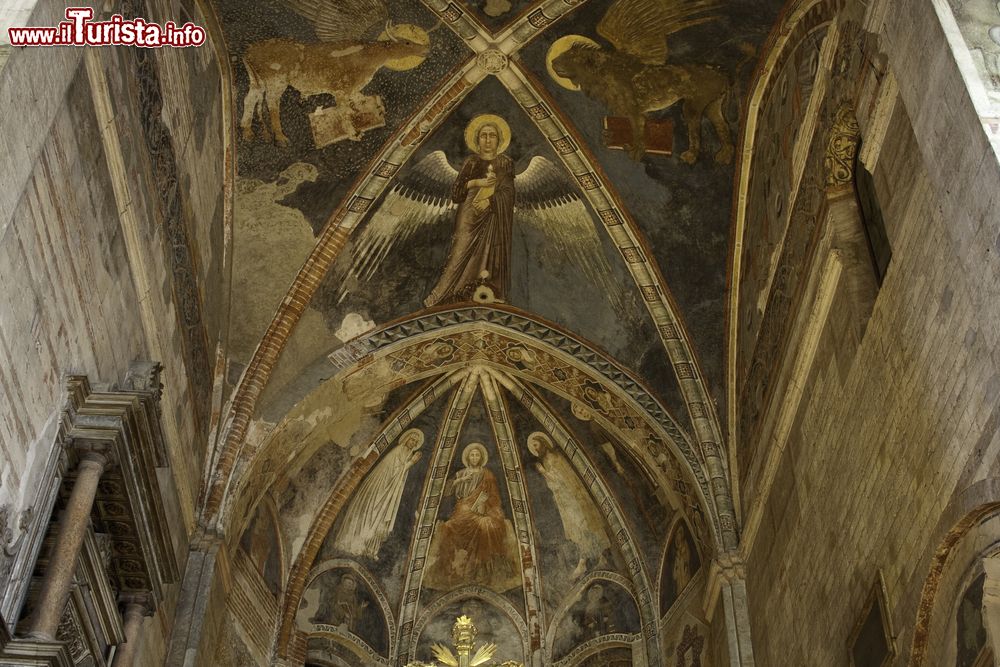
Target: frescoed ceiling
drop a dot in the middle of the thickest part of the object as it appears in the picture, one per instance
(475, 358)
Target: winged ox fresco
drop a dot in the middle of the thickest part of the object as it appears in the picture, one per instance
(357, 38)
(635, 76)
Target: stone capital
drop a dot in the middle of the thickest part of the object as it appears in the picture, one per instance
(140, 602)
(93, 452)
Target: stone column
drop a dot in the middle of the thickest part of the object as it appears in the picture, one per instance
(991, 602)
(62, 563)
(728, 581)
(137, 608)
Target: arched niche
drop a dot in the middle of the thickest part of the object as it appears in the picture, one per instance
(495, 619)
(601, 609)
(681, 562)
(344, 610)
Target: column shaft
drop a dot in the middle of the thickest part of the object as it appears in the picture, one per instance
(125, 655)
(62, 563)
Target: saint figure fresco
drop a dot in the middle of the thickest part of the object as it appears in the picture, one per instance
(476, 544)
(482, 202)
(373, 510)
(600, 609)
(484, 192)
(581, 522)
(343, 606)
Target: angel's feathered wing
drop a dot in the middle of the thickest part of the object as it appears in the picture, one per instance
(545, 200)
(641, 27)
(343, 19)
(421, 199)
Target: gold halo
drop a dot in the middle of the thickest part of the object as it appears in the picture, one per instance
(413, 431)
(559, 47)
(414, 33)
(475, 445)
(472, 130)
(533, 440)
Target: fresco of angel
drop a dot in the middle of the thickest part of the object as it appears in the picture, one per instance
(482, 201)
(350, 51)
(372, 513)
(634, 77)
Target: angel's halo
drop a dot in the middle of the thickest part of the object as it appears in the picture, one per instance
(472, 131)
(559, 47)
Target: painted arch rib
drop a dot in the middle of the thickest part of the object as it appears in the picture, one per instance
(331, 241)
(506, 441)
(625, 235)
(605, 500)
(444, 450)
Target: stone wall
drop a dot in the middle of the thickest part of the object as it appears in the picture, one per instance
(90, 282)
(897, 417)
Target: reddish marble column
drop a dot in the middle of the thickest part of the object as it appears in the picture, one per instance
(62, 563)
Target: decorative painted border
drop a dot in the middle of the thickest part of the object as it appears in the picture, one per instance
(444, 450)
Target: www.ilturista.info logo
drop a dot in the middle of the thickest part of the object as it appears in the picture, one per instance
(79, 30)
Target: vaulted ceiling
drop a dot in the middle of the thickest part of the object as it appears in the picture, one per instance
(573, 325)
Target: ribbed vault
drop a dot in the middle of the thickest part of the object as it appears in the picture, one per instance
(597, 336)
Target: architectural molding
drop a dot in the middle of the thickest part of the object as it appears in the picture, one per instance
(841, 149)
(129, 502)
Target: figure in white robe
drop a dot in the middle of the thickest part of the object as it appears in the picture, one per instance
(374, 507)
(581, 521)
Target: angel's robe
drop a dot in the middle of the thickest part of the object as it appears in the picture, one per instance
(373, 510)
(581, 521)
(481, 241)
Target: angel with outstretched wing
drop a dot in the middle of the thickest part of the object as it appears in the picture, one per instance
(482, 199)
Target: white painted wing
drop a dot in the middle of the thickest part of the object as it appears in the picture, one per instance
(547, 201)
(422, 198)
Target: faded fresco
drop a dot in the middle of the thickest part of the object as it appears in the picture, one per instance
(970, 636)
(979, 22)
(512, 228)
(319, 88)
(768, 212)
(680, 564)
(479, 497)
(601, 609)
(495, 15)
(661, 120)
(526, 467)
(649, 511)
(262, 543)
(341, 609)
